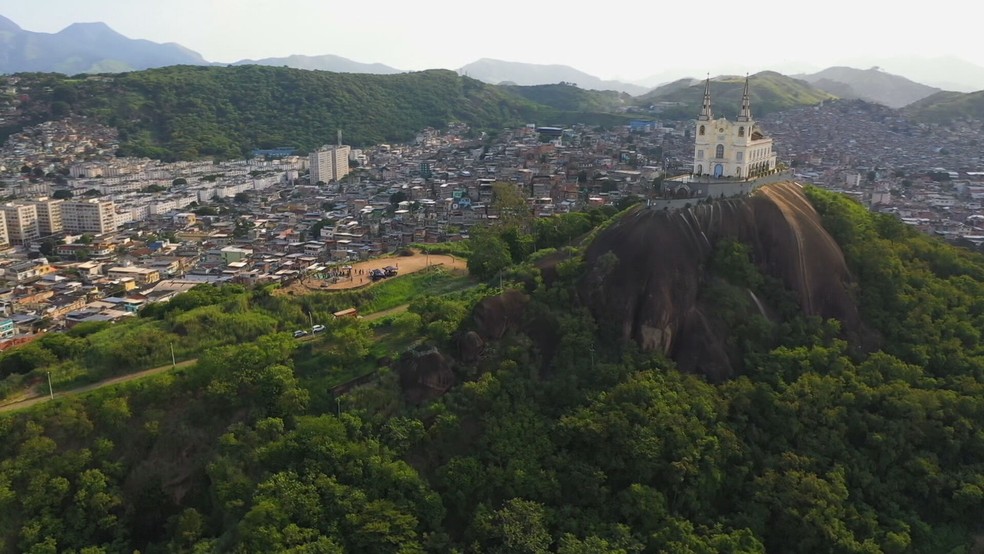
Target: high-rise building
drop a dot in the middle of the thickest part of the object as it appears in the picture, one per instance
(22, 223)
(329, 163)
(49, 215)
(4, 240)
(89, 216)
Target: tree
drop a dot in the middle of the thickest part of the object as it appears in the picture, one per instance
(179, 181)
(518, 527)
(510, 203)
(241, 198)
(490, 254)
(62, 194)
(86, 238)
(397, 197)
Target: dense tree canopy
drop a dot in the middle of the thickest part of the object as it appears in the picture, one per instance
(591, 446)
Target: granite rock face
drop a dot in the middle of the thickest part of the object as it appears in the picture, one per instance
(646, 270)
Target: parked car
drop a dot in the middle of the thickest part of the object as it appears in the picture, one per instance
(299, 333)
(317, 328)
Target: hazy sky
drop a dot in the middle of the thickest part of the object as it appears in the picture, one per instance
(611, 39)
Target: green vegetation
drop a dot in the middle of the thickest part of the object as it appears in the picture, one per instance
(554, 439)
(569, 99)
(945, 107)
(769, 92)
(187, 112)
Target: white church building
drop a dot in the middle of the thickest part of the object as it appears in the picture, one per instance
(731, 150)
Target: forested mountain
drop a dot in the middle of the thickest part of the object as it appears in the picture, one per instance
(570, 98)
(187, 112)
(84, 48)
(326, 62)
(541, 417)
(872, 85)
(530, 74)
(945, 107)
(769, 92)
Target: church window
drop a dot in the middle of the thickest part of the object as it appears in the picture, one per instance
(719, 151)
(700, 154)
(739, 157)
(701, 132)
(741, 131)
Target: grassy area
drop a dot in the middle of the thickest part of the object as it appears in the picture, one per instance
(461, 248)
(434, 281)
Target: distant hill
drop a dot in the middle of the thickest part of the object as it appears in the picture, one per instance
(527, 74)
(944, 107)
(873, 85)
(945, 72)
(572, 98)
(189, 112)
(84, 48)
(769, 92)
(327, 62)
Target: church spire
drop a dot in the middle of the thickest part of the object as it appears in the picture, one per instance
(705, 111)
(746, 111)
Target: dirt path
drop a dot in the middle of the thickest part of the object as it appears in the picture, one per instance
(361, 270)
(392, 311)
(38, 398)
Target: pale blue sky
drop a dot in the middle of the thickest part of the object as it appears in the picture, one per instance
(613, 39)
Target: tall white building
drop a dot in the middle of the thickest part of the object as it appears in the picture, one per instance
(49, 215)
(89, 216)
(22, 223)
(329, 163)
(736, 150)
(4, 239)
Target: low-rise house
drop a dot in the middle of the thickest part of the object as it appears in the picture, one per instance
(141, 275)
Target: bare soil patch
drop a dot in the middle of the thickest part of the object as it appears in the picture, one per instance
(361, 270)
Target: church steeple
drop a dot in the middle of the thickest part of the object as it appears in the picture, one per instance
(745, 114)
(705, 111)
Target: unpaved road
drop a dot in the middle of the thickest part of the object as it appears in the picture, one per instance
(41, 395)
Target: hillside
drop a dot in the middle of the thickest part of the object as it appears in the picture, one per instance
(186, 112)
(571, 98)
(84, 48)
(769, 92)
(527, 74)
(945, 107)
(577, 405)
(327, 62)
(872, 85)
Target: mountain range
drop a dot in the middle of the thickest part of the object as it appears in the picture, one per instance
(873, 85)
(97, 48)
(85, 48)
(516, 73)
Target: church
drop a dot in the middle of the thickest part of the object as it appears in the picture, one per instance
(731, 150)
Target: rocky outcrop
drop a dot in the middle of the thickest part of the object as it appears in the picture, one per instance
(646, 271)
(424, 375)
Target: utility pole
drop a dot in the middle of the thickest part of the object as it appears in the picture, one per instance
(51, 391)
(174, 364)
(338, 405)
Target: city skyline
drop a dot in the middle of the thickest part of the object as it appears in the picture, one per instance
(622, 40)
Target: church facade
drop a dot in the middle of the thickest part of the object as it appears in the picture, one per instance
(730, 150)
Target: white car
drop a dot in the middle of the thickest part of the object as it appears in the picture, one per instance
(317, 328)
(300, 333)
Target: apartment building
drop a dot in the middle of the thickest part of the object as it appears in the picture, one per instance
(22, 223)
(89, 216)
(329, 163)
(49, 215)
(4, 239)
